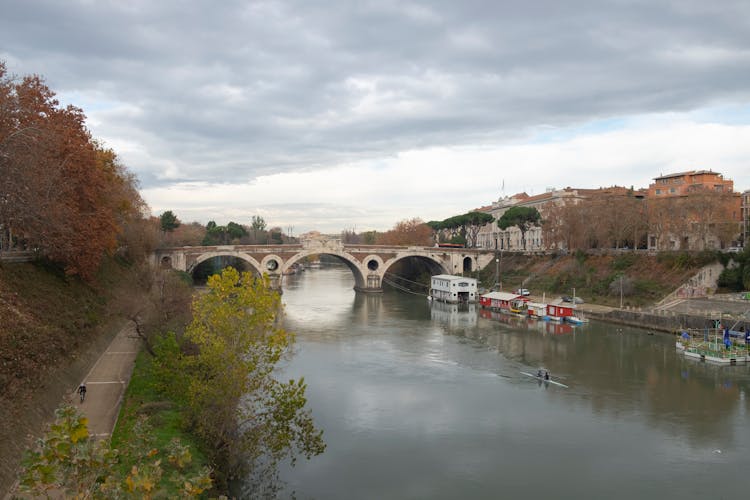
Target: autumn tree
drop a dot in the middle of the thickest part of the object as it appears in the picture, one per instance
(192, 234)
(139, 238)
(61, 192)
(156, 301)
(661, 219)
(69, 459)
(711, 215)
(349, 236)
(407, 232)
(224, 374)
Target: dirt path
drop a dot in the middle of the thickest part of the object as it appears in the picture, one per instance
(106, 379)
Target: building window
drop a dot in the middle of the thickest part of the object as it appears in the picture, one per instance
(671, 190)
(658, 191)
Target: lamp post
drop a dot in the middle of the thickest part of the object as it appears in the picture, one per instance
(621, 291)
(497, 268)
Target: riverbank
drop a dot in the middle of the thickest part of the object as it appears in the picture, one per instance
(31, 410)
(53, 330)
(677, 316)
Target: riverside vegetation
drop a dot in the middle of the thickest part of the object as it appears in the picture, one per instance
(201, 395)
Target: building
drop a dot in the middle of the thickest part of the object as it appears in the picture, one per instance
(745, 218)
(511, 239)
(453, 289)
(685, 183)
(694, 210)
(548, 204)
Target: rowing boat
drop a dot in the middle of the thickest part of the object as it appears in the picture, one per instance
(544, 379)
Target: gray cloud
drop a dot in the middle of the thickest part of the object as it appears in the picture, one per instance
(226, 91)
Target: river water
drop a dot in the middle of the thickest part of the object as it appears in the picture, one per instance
(421, 400)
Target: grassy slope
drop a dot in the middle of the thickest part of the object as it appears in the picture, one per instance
(591, 275)
(45, 319)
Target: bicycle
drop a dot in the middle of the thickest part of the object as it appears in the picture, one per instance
(82, 391)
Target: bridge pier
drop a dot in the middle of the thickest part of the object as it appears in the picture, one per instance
(274, 281)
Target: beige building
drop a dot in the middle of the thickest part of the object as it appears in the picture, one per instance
(745, 218)
(491, 236)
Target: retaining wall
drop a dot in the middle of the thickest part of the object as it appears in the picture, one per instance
(665, 321)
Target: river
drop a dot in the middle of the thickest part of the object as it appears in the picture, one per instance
(421, 400)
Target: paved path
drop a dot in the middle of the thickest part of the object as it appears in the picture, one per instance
(106, 383)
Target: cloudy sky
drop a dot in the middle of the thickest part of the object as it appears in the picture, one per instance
(332, 115)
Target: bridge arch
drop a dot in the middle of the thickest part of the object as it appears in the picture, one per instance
(353, 264)
(226, 253)
(434, 264)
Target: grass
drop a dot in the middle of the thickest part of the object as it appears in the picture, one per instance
(164, 417)
(591, 275)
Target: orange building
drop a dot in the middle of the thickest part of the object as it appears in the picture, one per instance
(704, 224)
(684, 183)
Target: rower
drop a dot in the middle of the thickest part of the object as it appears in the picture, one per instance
(546, 375)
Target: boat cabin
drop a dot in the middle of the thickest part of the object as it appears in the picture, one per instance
(558, 312)
(536, 309)
(453, 289)
(502, 301)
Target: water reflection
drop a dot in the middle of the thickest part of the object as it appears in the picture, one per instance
(427, 400)
(454, 315)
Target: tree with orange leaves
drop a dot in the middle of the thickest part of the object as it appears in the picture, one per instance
(407, 232)
(63, 194)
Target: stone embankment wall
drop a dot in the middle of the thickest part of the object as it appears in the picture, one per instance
(665, 321)
(702, 284)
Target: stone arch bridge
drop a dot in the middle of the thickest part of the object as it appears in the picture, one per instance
(368, 263)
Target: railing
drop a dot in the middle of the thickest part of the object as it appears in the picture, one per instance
(17, 256)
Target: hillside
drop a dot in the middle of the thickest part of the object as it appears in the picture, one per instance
(596, 278)
(52, 329)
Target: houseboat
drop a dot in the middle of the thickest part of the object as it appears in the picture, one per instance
(509, 303)
(536, 310)
(558, 312)
(453, 289)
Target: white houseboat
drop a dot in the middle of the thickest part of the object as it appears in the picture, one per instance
(453, 289)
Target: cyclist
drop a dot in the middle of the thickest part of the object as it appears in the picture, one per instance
(82, 391)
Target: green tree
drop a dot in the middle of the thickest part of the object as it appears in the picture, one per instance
(522, 217)
(276, 236)
(474, 222)
(169, 221)
(369, 237)
(236, 231)
(227, 381)
(258, 225)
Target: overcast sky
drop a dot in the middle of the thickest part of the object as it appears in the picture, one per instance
(332, 115)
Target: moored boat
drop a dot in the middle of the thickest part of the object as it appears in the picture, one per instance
(721, 348)
(576, 320)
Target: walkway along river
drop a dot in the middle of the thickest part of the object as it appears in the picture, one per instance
(421, 400)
